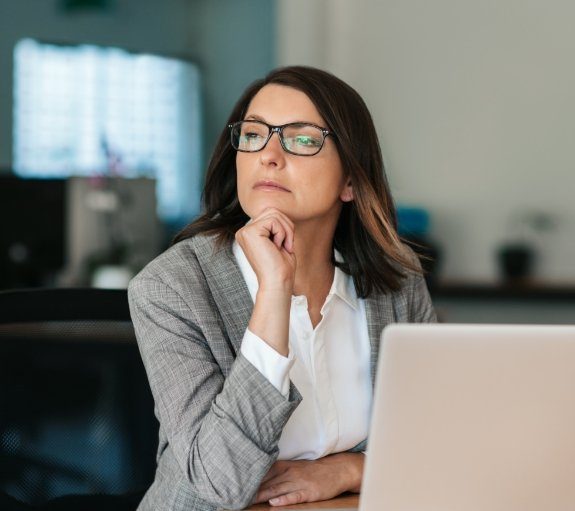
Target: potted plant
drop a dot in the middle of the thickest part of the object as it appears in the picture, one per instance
(517, 258)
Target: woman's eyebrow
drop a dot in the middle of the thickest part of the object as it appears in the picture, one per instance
(255, 117)
(258, 118)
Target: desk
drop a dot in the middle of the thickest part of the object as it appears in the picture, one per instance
(504, 303)
(343, 501)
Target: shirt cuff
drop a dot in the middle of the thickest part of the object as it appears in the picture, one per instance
(268, 361)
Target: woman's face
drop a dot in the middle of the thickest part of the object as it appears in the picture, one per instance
(303, 187)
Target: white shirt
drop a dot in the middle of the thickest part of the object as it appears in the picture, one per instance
(329, 365)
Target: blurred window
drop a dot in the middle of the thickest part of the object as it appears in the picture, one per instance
(88, 110)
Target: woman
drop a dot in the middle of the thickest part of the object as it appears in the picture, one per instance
(259, 328)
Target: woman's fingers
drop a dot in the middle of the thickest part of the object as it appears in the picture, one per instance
(281, 227)
(278, 232)
(267, 242)
(310, 481)
(289, 499)
(272, 224)
(277, 468)
(270, 228)
(275, 490)
(275, 212)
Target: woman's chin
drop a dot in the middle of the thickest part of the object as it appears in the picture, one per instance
(259, 208)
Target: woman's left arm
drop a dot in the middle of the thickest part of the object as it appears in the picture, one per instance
(294, 482)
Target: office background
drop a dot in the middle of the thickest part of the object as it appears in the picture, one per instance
(475, 109)
(473, 102)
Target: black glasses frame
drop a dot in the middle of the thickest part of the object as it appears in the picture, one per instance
(279, 130)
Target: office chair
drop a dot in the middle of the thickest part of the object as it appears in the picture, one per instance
(76, 412)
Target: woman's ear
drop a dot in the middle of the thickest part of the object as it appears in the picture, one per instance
(347, 193)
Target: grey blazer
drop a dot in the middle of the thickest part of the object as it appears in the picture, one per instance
(220, 419)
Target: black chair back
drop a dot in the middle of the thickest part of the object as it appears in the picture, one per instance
(76, 412)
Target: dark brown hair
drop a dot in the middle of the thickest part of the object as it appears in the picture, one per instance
(366, 233)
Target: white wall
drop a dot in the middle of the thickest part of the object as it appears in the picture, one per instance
(475, 106)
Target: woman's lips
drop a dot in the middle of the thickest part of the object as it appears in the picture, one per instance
(270, 186)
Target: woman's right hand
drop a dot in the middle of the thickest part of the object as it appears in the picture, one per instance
(267, 242)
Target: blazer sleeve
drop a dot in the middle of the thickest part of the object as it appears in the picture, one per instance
(223, 431)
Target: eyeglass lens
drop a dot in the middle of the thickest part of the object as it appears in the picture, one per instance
(303, 139)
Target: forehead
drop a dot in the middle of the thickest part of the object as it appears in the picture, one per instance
(278, 104)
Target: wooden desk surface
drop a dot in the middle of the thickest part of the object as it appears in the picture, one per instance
(343, 501)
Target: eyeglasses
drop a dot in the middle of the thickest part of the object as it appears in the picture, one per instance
(300, 138)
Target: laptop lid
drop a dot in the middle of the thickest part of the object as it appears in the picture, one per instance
(473, 417)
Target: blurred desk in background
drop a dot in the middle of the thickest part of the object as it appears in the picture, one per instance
(530, 303)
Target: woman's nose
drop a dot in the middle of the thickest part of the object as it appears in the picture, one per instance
(273, 153)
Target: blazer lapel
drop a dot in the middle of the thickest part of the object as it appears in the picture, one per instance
(227, 286)
(379, 312)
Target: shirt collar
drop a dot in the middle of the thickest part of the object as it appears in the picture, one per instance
(342, 285)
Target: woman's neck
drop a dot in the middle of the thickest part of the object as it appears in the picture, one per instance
(313, 247)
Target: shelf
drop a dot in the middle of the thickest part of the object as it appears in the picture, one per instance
(528, 291)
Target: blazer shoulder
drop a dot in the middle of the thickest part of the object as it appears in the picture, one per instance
(412, 301)
(409, 275)
(180, 264)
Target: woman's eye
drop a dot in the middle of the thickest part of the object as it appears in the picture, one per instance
(307, 141)
(250, 138)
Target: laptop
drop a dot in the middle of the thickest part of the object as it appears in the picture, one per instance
(473, 418)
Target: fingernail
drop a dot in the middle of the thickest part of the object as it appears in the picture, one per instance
(275, 501)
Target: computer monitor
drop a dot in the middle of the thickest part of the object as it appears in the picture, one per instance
(58, 231)
(32, 231)
(111, 221)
